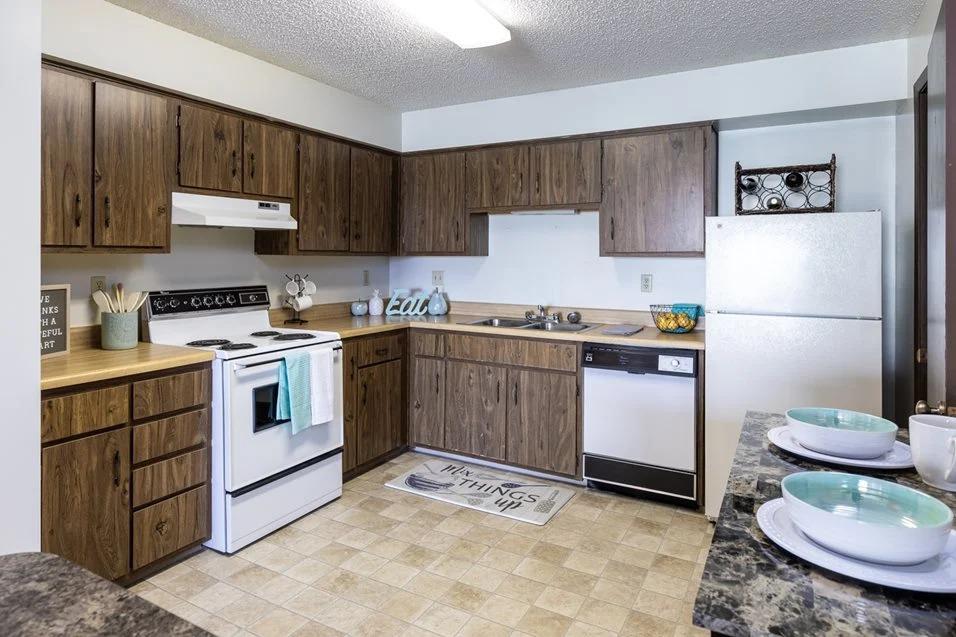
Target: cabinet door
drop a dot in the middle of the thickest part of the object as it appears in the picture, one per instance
(566, 173)
(210, 149)
(349, 404)
(85, 502)
(542, 420)
(475, 421)
(654, 200)
(427, 401)
(433, 203)
(379, 410)
(66, 149)
(371, 214)
(133, 142)
(498, 177)
(268, 160)
(323, 204)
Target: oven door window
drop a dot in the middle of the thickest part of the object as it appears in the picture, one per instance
(265, 402)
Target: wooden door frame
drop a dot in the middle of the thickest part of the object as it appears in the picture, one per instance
(920, 112)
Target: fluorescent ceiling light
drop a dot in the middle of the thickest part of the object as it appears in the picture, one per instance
(464, 22)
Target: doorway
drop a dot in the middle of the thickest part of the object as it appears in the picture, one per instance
(920, 113)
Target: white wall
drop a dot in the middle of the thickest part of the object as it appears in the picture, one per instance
(210, 257)
(104, 36)
(826, 79)
(917, 45)
(20, 250)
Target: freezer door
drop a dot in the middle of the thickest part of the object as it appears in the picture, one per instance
(775, 363)
(824, 264)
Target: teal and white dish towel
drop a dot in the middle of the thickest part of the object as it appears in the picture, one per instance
(295, 391)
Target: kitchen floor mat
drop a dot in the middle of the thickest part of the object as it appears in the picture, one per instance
(517, 497)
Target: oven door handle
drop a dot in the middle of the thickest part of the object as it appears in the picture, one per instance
(240, 370)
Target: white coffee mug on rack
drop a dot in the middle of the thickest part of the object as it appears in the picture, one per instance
(933, 443)
(300, 303)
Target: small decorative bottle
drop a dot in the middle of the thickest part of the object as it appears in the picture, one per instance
(376, 305)
(437, 305)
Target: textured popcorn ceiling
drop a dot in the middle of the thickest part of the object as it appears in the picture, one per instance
(371, 48)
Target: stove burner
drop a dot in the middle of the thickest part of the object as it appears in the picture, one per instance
(208, 342)
(231, 346)
(294, 336)
(265, 333)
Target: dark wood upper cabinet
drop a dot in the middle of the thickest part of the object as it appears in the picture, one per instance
(566, 173)
(66, 150)
(269, 154)
(475, 420)
(85, 493)
(324, 194)
(433, 215)
(133, 151)
(542, 420)
(498, 177)
(372, 207)
(210, 149)
(658, 187)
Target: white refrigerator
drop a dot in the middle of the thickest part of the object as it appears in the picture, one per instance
(793, 319)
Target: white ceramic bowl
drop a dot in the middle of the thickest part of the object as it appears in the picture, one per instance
(867, 518)
(839, 432)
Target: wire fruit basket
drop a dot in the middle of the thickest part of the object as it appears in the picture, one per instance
(675, 319)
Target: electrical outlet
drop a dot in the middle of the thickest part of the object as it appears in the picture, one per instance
(647, 282)
(438, 277)
(97, 283)
(365, 279)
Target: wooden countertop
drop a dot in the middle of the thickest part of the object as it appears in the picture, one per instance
(87, 365)
(351, 326)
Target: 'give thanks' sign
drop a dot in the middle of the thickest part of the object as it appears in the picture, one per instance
(54, 320)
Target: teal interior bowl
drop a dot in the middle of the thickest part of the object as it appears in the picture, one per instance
(840, 432)
(867, 518)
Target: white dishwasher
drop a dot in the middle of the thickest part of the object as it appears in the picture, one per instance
(641, 420)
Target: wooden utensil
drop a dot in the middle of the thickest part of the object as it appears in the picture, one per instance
(102, 301)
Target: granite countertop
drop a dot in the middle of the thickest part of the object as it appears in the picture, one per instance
(352, 326)
(90, 364)
(44, 594)
(752, 587)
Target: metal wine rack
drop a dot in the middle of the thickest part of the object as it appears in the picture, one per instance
(785, 189)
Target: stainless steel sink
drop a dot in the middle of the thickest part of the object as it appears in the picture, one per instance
(559, 327)
(497, 321)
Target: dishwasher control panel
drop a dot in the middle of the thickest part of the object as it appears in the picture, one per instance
(679, 364)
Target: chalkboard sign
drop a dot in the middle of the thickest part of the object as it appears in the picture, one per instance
(54, 320)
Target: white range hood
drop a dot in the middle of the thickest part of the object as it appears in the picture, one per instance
(231, 212)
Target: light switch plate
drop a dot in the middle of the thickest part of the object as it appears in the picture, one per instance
(438, 277)
(365, 278)
(647, 282)
(97, 283)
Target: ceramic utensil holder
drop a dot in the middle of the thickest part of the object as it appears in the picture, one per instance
(119, 330)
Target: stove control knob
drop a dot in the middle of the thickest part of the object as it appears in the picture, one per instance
(159, 304)
(207, 301)
(174, 303)
(195, 301)
(231, 299)
(220, 300)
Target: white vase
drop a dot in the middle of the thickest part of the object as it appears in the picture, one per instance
(376, 305)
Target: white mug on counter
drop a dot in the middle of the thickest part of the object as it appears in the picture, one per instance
(933, 443)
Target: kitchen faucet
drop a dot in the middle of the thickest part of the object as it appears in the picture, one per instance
(542, 316)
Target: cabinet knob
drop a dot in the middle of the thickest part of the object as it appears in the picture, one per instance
(162, 527)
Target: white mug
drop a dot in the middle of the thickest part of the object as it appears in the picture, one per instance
(300, 303)
(933, 443)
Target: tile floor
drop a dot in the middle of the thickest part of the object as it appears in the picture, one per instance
(382, 562)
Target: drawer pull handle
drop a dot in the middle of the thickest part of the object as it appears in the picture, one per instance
(382, 351)
(162, 527)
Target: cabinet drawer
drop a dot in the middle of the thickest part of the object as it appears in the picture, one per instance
(170, 393)
(427, 344)
(379, 349)
(84, 412)
(513, 351)
(158, 480)
(170, 525)
(169, 435)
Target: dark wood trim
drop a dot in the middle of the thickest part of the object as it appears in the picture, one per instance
(919, 247)
(89, 71)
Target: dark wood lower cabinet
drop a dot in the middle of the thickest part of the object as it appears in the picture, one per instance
(131, 487)
(476, 412)
(426, 398)
(85, 495)
(542, 420)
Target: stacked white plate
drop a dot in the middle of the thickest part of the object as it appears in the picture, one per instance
(844, 437)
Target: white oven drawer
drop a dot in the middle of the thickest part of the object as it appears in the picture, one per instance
(258, 447)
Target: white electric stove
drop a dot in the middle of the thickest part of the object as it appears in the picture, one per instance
(263, 477)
